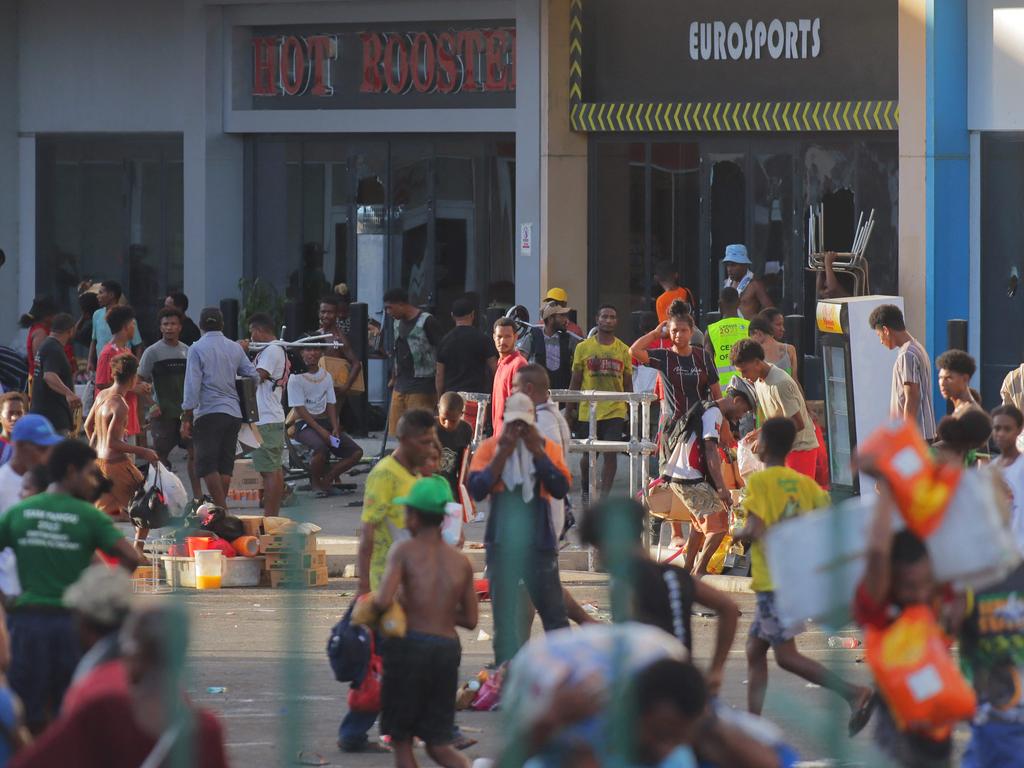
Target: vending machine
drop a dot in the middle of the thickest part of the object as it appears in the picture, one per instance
(858, 382)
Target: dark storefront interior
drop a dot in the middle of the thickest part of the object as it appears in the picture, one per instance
(110, 208)
(433, 215)
(665, 199)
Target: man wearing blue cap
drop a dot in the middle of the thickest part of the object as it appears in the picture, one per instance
(753, 296)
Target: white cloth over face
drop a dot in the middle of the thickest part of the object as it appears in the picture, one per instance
(520, 472)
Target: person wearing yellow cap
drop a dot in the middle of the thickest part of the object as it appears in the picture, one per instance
(560, 298)
(421, 669)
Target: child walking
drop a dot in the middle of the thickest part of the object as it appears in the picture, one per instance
(775, 494)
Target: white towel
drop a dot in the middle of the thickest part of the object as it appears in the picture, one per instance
(519, 471)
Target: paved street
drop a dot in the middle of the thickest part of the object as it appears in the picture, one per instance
(256, 643)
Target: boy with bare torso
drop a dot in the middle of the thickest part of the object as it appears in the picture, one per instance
(105, 429)
(421, 669)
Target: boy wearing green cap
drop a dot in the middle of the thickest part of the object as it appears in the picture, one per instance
(421, 669)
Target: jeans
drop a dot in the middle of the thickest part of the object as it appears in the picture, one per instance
(995, 744)
(353, 729)
(539, 574)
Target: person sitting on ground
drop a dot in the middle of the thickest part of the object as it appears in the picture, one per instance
(456, 436)
(521, 468)
(775, 494)
(421, 669)
(311, 395)
(100, 601)
(144, 725)
(105, 429)
(71, 529)
(1007, 426)
(662, 595)
(956, 368)
(960, 437)
(777, 353)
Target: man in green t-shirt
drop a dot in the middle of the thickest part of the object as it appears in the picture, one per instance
(54, 535)
(601, 363)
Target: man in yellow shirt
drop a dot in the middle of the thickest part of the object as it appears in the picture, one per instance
(775, 494)
(384, 524)
(601, 363)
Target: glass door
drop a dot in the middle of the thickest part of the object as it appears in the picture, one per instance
(726, 217)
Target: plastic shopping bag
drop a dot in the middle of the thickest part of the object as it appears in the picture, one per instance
(746, 459)
(916, 674)
(175, 495)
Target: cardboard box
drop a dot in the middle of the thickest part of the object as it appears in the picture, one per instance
(240, 498)
(279, 561)
(244, 477)
(252, 525)
(285, 542)
(311, 577)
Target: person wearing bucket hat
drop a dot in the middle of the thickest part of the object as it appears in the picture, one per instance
(516, 469)
(421, 669)
(739, 275)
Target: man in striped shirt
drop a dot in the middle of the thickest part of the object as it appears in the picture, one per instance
(911, 398)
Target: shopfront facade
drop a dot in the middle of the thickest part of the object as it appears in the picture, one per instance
(201, 146)
(713, 124)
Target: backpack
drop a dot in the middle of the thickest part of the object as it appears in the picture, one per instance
(693, 426)
(148, 507)
(348, 649)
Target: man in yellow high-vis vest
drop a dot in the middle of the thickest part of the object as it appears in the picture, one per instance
(722, 335)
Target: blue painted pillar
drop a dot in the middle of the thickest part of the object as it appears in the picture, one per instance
(947, 182)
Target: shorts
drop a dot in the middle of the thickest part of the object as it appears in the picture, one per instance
(400, 403)
(44, 654)
(309, 437)
(126, 480)
(767, 625)
(215, 437)
(707, 513)
(607, 429)
(804, 462)
(269, 456)
(421, 675)
(166, 435)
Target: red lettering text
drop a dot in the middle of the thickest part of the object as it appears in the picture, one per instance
(323, 49)
(264, 66)
(396, 58)
(471, 43)
(449, 78)
(373, 51)
(424, 60)
(294, 78)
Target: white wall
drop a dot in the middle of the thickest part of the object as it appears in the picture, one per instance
(100, 65)
(995, 65)
(9, 300)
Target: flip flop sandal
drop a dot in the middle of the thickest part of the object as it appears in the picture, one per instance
(860, 718)
(464, 742)
(310, 758)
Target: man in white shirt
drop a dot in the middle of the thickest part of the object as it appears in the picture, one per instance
(32, 437)
(267, 459)
(311, 396)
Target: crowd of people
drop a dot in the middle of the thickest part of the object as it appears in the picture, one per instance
(70, 469)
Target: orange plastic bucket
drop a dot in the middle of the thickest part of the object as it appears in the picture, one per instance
(197, 543)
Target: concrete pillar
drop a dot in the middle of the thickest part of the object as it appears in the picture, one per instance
(912, 149)
(528, 152)
(10, 301)
(213, 163)
(563, 169)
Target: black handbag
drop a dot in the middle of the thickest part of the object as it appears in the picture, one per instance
(148, 508)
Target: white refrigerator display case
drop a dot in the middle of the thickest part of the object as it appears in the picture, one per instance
(858, 381)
